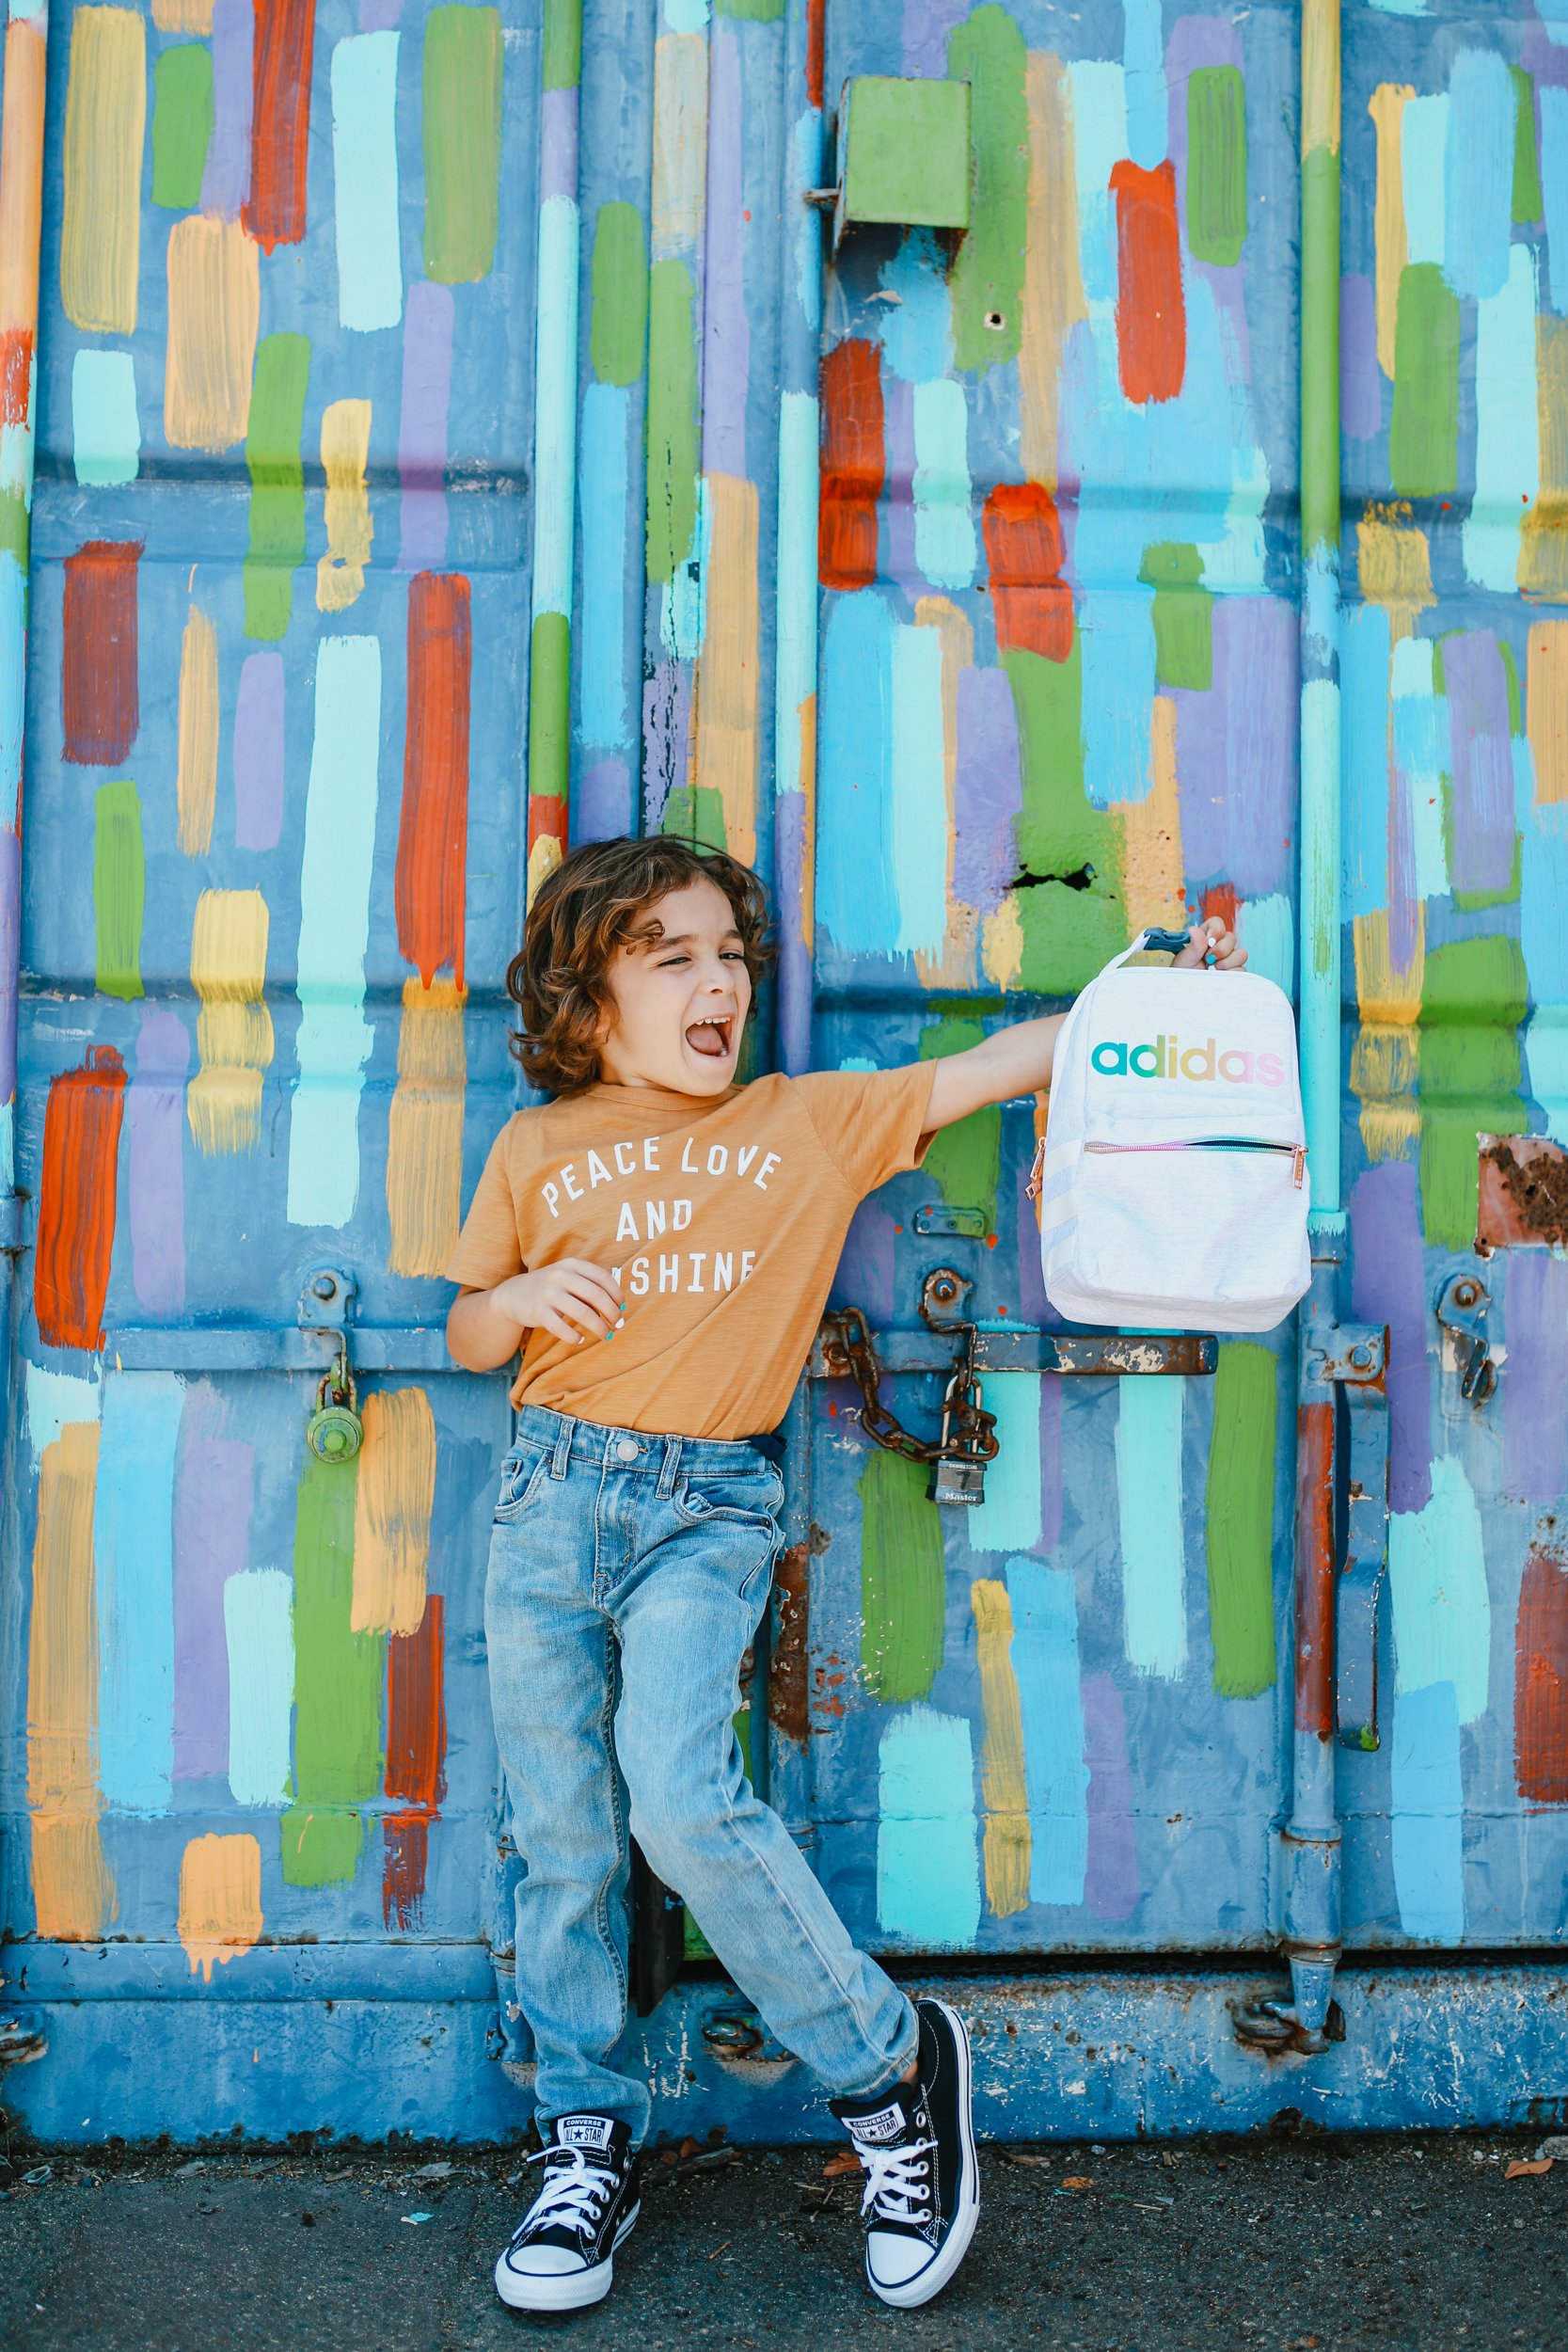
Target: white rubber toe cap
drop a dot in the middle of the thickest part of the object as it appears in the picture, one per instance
(892, 2260)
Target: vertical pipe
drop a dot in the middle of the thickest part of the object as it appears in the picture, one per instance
(555, 412)
(795, 603)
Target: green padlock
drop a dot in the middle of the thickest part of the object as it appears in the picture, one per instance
(335, 1432)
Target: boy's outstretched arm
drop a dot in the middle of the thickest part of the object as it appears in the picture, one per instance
(1016, 1060)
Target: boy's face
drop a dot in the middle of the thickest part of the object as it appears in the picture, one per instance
(680, 992)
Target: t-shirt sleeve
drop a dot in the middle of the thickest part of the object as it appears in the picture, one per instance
(487, 1250)
(871, 1121)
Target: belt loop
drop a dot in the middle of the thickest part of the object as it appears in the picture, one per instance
(672, 1463)
(562, 1448)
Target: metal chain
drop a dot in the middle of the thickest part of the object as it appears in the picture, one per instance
(970, 1431)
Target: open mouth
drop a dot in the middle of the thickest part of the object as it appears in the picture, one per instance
(711, 1037)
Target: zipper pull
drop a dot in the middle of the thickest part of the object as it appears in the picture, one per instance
(1298, 1167)
(1033, 1188)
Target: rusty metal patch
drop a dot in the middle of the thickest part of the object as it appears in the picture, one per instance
(1524, 1194)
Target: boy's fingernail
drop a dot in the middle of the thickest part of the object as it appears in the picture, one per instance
(620, 1322)
(625, 1306)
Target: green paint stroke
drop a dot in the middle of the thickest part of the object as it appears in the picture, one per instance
(549, 707)
(1238, 1512)
(695, 813)
(272, 452)
(1526, 160)
(966, 1158)
(1184, 615)
(751, 11)
(182, 123)
(563, 66)
(118, 888)
(672, 419)
(1069, 936)
(987, 52)
(903, 1580)
(1217, 164)
(618, 329)
(15, 529)
(1068, 930)
(1423, 438)
(1474, 994)
(461, 142)
(338, 1677)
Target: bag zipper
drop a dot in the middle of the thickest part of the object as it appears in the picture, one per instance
(1297, 1152)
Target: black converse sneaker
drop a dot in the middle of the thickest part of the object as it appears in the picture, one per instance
(916, 2143)
(561, 2252)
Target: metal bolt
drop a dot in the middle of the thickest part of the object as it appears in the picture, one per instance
(324, 1285)
(1361, 1356)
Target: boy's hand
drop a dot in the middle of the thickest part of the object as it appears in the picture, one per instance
(1211, 942)
(574, 1298)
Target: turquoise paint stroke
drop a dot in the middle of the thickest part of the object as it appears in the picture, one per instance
(133, 1552)
(1010, 1518)
(1554, 189)
(1144, 57)
(1050, 1702)
(1118, 625)
(685, 16)
(1364, 660)
(1478, 173)
(365, 181)
(944, 545)
(1402, 8)
(1442, 1610)
(808, 237)
(1543, 939)
(556, 412)
(1554, 16)
(794, 671)
(683, 606)
(1267, 929)
(1427, 1793)
(335, 1039)
(915, 322)
(1321, 945)
(54, 1398)
(1546, 1059)
(106, 431)
(606, 718)
(1421, 755)
(1423, 146)
(928, 1863)
(1148, 1504)
(1099, 93)
(855, 903)
(917, 804)
(13, 659)
(1507, 450)
(258, 1623)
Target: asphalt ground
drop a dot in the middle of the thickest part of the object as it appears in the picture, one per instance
(1305, 2245)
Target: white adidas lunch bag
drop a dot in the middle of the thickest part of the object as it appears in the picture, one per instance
(1172, 1179)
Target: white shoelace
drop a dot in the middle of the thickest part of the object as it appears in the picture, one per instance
(898, 2185)
(573, 2191)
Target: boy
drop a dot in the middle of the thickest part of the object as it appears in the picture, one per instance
(659, 1242)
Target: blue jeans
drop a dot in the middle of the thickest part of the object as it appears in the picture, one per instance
(627, 1574)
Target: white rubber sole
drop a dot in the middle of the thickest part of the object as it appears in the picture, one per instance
(937, 2273)
(566, 2290)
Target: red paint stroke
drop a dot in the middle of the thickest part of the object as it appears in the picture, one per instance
(415, 1753)
(433, 836)
(853, 466)
(16, 374)
(547, 818)
(1315, 1570)
(1032, 603)
(99, 704)
(1151, 320)
(816, 45)
(76, 1199)
(274, 211)
(1220, 899)
(1540, 1681)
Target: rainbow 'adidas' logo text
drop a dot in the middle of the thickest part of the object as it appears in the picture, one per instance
(1167, 1058)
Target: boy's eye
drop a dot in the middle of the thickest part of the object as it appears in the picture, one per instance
(734, 955)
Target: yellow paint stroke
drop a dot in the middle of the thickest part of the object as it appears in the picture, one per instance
(1390, 245)
(1546, 710)
(1002, 1785)
(214, 307)
(22, 176)
(1394, 565)
(105, 121)
(807, 716)
(424, 1141)
(1001, 944)
(197, 780)
(1052, 286)
(1385, 1057)
(183, 16)
(1153, 880)
(345, 454)
(1543, 537)
(234, 1029)
(725, 708)
(1320, 72)
(955, 966)
(392, 1504)
(543, 859)
(680, 143)
(220, 1900)
(72, 1892)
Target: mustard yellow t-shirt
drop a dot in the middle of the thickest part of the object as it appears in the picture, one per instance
(721, 1222)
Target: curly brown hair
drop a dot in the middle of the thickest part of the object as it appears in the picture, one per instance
(587, 909)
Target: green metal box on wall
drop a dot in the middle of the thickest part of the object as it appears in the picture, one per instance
(903, 152)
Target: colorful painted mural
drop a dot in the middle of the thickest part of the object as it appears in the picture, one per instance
(445, 433)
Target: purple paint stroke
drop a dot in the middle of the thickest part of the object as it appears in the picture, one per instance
(1051, 1465)
(1194, 41)
(1033, 1308)
(793, 887)
(1482, 763)
(927, 25)
(866, 1268)
(1542, 56)
(1360, 383)
(726, 335)
(1403, 902)
(1111, 1880)
(155, 1155)
(898, 559)
(427, 329)
(1256, 656)
(258, 753)
(226, 175)
(557, 144)
(11, 926)
(1200, 781)
(988, 791)
(379, 16)
(1535, 1383)
(1388, 1285)
(213, 1485)
(666, 738)
(601, 802)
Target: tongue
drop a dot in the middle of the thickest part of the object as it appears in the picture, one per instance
(704, 1040)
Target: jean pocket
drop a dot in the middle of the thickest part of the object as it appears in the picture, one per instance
(741, 1501)
(520, 1475)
